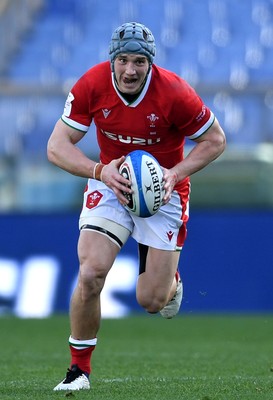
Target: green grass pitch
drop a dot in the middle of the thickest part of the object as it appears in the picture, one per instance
(190, 357)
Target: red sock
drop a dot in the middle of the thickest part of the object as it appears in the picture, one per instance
(82, 358)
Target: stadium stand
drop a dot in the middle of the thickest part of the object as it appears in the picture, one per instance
(224, 48)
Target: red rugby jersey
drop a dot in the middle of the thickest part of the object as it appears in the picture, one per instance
(167, 111)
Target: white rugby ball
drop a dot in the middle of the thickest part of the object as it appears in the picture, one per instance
(144, 171)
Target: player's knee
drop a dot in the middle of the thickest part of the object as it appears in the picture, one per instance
(91, 281)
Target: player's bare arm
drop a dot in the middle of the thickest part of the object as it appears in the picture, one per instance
(63, 152)
(208, 147)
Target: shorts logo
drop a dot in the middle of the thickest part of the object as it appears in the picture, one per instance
(170, 235)
(93, 199)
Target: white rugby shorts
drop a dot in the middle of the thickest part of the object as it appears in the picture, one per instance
(102, 212)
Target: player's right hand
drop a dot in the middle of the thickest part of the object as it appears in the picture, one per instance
(111, 177)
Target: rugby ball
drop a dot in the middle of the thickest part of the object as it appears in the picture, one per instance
(145, 173)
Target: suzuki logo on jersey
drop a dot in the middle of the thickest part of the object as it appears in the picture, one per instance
(129, 139)
(106, 112)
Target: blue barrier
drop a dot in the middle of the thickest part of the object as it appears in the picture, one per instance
(226, 265)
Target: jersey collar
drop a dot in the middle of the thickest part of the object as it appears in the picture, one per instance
(141, 95)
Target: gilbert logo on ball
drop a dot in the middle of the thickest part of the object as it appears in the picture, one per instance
(145, 173)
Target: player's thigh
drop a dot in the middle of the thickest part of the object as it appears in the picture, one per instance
(161, 266)
(96, 253)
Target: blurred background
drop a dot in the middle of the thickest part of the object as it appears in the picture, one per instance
(224, 49)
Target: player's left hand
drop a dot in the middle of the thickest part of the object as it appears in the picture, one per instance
(169, 180)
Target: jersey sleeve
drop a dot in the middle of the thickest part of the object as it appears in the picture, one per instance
(192, 116)
(76, 111)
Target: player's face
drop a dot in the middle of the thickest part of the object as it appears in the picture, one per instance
(130, 72)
